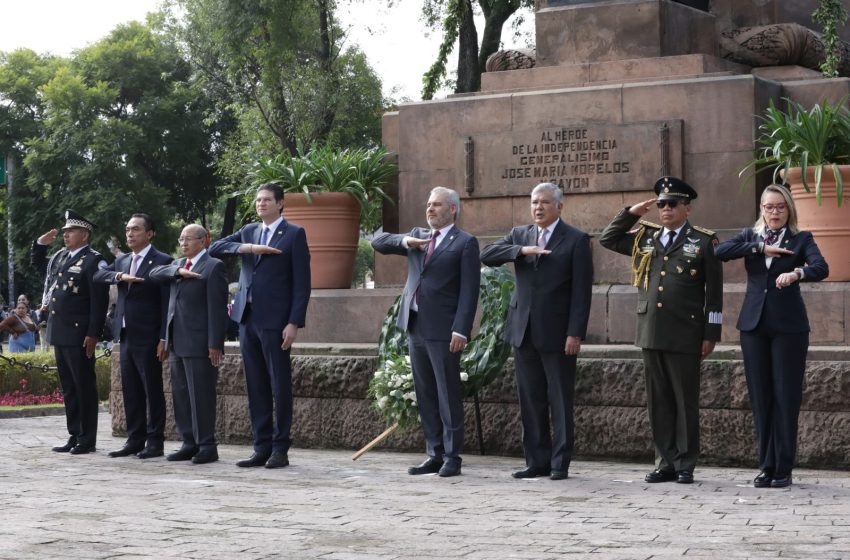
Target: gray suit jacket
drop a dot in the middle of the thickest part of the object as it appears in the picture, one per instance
(197, 308)
(448, 283)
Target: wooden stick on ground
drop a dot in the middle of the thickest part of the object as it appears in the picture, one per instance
(386, 433)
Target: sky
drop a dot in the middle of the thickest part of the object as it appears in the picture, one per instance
(394, 39)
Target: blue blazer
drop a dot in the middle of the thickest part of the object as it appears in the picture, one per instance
(448, 283)
(783, 309)
(142, 306)
(278, 284)
(553, 292)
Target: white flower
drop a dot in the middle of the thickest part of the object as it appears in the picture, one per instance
(388, 364)
(407, 359)
(378, 373)
(382, 402)
(395, 393)
(411, 396)
(464, 376)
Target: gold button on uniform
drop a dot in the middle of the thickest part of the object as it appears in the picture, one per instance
(663, 273)
(660, 288)
(666, 258)
(660, 304)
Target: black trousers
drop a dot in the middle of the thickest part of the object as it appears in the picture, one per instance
(439, 394)
(79, 391)
(775, 365)
(546, 384)
(144, 401)
(268, 379)
(672, 398)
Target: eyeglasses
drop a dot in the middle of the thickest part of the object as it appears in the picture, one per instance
(666, 203)
(771, 208)
(182, 239)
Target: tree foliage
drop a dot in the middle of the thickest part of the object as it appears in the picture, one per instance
(456, 20)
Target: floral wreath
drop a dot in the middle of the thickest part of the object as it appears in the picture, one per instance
(481, 362)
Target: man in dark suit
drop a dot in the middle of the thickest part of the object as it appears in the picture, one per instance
(195, 327)
(437, 309)
(139, 325)
(270, 307)
(679, 315)
(547, 320)
(76, 311)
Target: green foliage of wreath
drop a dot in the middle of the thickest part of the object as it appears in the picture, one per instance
(481, 362)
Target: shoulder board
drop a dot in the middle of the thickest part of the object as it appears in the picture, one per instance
(704, 230)
(650, 224)
(94, 253)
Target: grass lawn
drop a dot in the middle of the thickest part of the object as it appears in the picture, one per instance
(31, 406)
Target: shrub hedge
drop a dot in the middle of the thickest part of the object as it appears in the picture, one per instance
(45, 382)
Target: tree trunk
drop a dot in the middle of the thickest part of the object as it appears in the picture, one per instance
(468, 70)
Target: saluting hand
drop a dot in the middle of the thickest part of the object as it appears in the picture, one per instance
(130, 279)
(260, 249)
(530, 250)
(49, 237)
(641, 208)
(187, 274)
(773, 251)
(416, 243)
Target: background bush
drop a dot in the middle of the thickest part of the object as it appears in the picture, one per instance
(45, 382)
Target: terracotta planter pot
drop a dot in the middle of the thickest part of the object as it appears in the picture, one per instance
(332, 224)
(828, 223)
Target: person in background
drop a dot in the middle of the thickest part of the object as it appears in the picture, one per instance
(22, 339)
(774, 326)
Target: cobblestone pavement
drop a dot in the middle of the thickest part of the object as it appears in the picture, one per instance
(326, 506)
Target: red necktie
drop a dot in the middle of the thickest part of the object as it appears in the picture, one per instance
(188, 264)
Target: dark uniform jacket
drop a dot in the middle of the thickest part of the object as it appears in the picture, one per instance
(76, 305)
(783, 309)
(680, 292)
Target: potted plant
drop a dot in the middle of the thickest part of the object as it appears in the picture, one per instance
(333, 194)
(809, 151)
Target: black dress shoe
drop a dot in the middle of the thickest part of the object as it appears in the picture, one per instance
(781, 481)
(685, 477)
(559, 475)
(205, 456)
(278, 460)
(255, 460)
(126, 451)
(763, 479)
(183, 454)
(659, 475)
(449, 469)
(532, 472)
(150, 452)
(80, 449)
(429, 466)
(72, 442)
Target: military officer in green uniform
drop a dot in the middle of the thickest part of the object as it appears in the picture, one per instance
(76, 312)
(679, 315)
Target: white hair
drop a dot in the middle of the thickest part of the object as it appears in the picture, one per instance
(556, 191)
(451, 195)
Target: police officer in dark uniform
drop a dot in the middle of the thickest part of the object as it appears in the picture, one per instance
(679, 315)
(76, 310)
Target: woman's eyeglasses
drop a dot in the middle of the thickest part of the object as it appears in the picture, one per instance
(771, 208)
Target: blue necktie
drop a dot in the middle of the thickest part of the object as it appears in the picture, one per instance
(264, 239)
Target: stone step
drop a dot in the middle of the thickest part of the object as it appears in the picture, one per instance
(601, 73)
(838, 353)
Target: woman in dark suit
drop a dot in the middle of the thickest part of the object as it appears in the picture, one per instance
(774, 326)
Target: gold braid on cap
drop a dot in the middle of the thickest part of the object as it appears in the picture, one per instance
(640, 268)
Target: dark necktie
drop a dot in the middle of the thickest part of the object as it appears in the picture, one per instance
(431, 245)
(772, 236)
(671, 236)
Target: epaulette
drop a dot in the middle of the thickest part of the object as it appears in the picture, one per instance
(650, 224)
(706, 231)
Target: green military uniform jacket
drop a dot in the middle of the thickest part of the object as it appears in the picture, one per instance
(680, 291)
